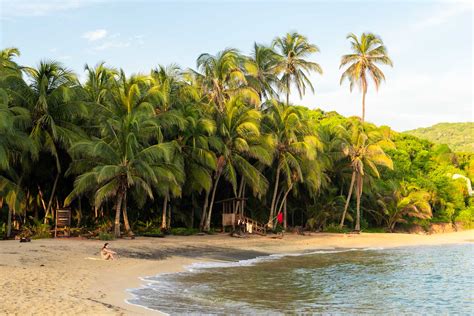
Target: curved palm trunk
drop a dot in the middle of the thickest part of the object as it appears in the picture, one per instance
(207, 226)
(50, 202)
(349, 194)
(284, 198)
(128, 229)
(285, 214)
(164, 220)
(118, 208)
(204, 211)
(275, 193)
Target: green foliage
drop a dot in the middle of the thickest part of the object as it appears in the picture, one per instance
(162, 148)
(106, 236)
(183, 231)
(458, 136)
(334, 228)
(466, 218)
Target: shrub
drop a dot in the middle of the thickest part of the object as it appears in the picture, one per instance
(333, 228)
(153, 232)
(466, 217)
(183, 231)
(106, 236)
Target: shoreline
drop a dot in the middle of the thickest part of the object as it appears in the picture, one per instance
(55, 276)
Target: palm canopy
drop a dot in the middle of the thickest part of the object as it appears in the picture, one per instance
(7, 65)
(404, 200)
(367, 52)
(262, 70)
(294, 48)
(221, 76)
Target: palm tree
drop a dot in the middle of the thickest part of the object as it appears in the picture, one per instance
(7, 65)
(293, 49)
(261, 68)
(52, 95)
(221, 77)
(14, 143)
(100, 80)
(367, 52)
(403, 201)
(294, 143)
(365, 153)
(239, 140)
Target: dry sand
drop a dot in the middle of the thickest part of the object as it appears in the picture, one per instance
(66, 276)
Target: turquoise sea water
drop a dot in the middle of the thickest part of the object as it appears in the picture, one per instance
(428, 280)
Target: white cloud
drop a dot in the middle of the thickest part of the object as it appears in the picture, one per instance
(117, 41)
(95, 35)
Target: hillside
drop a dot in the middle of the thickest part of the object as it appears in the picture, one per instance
(458, 136)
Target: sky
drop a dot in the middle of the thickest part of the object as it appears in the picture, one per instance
(430, 43)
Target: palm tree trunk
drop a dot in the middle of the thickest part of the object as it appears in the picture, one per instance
(364, 92)
(207, 227)
(348, 199)
(9, 222)
(118, 210)
(358, 194)
(204, 211)
(128, 229)
(50, 203)
(285, 223)
(239, 195)
(275, 192)
(164, 221)
(284, 198)
(287, 91)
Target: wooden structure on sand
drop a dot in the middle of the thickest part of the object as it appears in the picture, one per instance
(62, 222)
(233, 215)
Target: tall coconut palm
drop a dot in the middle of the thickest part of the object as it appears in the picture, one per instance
(365, 153)
(294, 143)
(239, 140)
(367, 52)
(294, 48)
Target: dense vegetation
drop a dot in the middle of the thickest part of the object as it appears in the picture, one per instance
(158, 150)
(458, 136)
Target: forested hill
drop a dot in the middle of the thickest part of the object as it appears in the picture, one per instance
(458, 136)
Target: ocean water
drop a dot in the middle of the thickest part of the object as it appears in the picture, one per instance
(428, 280)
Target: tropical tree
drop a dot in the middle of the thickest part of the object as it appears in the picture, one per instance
(404, 200)
(130, 155)
(262, 71)
(52, 95)
(294, 144)
(7, 65)
(14, 143)
(238, 139)
(367, 52)
(365, 152)
(220, 77)
(294, 48)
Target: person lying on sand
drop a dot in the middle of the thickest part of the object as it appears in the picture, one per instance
(106, 253)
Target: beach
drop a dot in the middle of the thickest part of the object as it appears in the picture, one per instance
(67, 276)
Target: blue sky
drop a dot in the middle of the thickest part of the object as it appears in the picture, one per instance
(430, 42)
